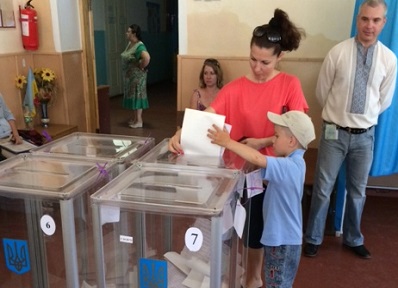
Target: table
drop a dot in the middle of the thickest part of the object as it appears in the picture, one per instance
(56, 130)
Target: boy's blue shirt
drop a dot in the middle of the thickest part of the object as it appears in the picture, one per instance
(282, 211)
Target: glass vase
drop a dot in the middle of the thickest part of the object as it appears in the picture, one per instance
(45, 120)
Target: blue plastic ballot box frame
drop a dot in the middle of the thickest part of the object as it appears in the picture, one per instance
(47, 223)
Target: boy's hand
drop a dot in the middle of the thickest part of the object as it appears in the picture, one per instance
(218, 136)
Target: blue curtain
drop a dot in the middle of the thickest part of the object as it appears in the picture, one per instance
(385, 161)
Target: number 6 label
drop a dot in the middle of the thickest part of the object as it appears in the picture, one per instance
(47, 224)
(193, 239)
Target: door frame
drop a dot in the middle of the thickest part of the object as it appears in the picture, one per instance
(88, 56)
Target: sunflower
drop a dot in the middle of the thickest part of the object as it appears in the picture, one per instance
(48, 75)
(44, 81)
(20, 81)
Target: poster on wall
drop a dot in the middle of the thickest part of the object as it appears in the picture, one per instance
(7, 18)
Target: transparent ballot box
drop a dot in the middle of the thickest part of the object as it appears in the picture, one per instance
(166, 226)
(161, 155)
(46, 223)
(109, 147)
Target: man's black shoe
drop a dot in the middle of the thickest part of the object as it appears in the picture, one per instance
(310, 250)
(361, 251)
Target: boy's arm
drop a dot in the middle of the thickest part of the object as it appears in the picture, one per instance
(257, 143)
(221, 137)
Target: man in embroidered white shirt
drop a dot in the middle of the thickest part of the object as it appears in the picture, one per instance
(355, 85)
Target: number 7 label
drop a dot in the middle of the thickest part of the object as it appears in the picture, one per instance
(193, 239)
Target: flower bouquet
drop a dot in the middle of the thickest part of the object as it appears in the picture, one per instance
(39, 89)
(44, 80)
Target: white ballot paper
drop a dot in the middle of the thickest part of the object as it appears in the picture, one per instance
(194, 138)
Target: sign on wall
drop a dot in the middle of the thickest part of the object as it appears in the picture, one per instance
(7, 17)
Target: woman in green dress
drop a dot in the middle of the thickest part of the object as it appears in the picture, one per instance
(135, 59)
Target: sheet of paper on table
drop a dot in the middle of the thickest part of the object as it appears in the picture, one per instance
(10, 149)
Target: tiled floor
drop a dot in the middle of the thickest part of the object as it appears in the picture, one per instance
(335, 266)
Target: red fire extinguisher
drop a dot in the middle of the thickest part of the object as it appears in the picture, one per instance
(28, 18)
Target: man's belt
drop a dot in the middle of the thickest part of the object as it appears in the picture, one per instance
(351, 130)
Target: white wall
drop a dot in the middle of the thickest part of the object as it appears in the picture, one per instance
(224, 27)
(66, 25)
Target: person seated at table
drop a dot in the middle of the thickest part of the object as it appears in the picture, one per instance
(8, 126)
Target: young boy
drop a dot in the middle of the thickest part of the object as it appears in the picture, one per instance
(282, 233)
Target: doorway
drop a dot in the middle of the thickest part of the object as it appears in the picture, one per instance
(159, 23)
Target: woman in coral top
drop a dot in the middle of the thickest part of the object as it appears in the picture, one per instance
(245, 103)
